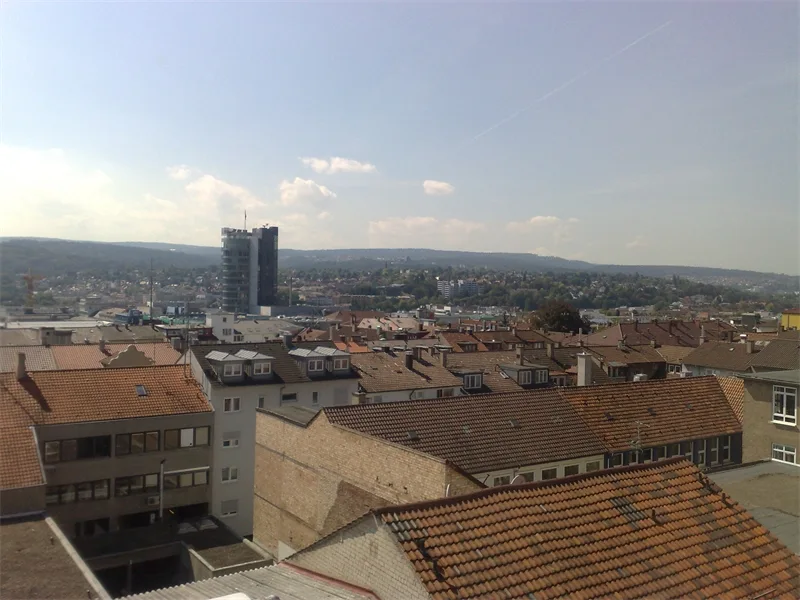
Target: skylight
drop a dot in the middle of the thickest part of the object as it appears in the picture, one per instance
(141, 390)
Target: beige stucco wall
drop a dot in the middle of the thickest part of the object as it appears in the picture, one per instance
(759, 431)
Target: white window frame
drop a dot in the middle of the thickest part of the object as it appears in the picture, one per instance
(592, 466)
(262, 368)
(238, 338)
(231, 405)
(726, 448)
(713, 451)
(701, 452)
(232, 370)
(341, 364)
(616, 372)
(525, 377)
(316, 365)
(541, 376)
(499, 480)
(231, 442)
(231, 513)
(785, 454)
(471, 379)
(786, 395)
(577, 466)
(285, 399)
(550, 478)
(232, 474)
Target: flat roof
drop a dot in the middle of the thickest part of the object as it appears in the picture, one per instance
(792, 376)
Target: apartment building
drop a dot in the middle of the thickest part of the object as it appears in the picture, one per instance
(644, 531)
(312, 475)
(103, 450)
(239, 378)
(769, 416)
(724, 359)
(629, 363)
(503, 371)
(398, 375)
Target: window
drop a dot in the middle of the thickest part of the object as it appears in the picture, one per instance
(784, 453)
(784, 404)
(473, 382)
(686, 449)
(571, 470)
(185, 438)
(549, 474)
(230, 439)
(616, 371)
(616, 459)
(226, 331)
(238, 338)
(190, 479)
(713, 451)
(726, 448)
(229, 508)
(673, 369)
(230, 474)
(137, 484)
(136, 443)
(700, 447)
(314, 397)
(502, 480)
(316, 365)
(231, 404)
(538, 345)
(526, 477)
(79, 492)
(541, 376)
(79, 449)
(289, 398)
(340, 364)
(261, 402)
(659, 452)
(262, 368)
(593, 466)
(524, 377)
(673, 450)
(232, 370)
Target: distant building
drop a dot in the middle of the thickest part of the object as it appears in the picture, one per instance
(249, 269)
(790, 318)
(466, 287)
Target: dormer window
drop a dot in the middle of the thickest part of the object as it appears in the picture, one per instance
(466, 347)
(262, 368)
(316, 365)
(341, 364)
(524, 377)
(473, 381)
(541, 376)
(232, 370)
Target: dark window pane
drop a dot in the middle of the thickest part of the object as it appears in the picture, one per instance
(67, 494)
(171, 439)
(69, 449)
(101, 489)
(85, 491)
(137, 443)
(151, 441)
(52, 452)
(170, 482)
(122, 444)
(137, 484)
(52, 494)
(151, 482)
(121, 486)
(186, 479)
(201, 436)
(102, 446)
(85, 447)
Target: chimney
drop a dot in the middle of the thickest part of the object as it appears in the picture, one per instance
(514, 330)
(287, 340)
(332, 332)
(653, 344)
(443, 356)
(102, 345)
(409, 359)
(417, 352)
(580, 343)
(21, 372)
(359, 398)
(702, 334)
(620, 345)
(636, 324)
(520, 358)
(750, 345)
(549, 346)
(584, 369)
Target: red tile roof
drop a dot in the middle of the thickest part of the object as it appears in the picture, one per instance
(455, 338)
(19, 459)
(665, 333)
(779, 354)
(722, 355)
(383, 372)
(37, 358)
(670, 410)
(647, 531)
(733, 388)
(478, 433)
(89, 356)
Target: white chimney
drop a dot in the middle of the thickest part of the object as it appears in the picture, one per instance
(584, 369)
(102, 345)
(21, 372)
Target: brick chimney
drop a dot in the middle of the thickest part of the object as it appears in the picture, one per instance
(549, 346)
(409, 359)
(702, 334)
(520, 358)
(21, 371)
(584, 369)
(750, 346)
(443, 356)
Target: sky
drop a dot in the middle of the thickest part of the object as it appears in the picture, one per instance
(624, 132)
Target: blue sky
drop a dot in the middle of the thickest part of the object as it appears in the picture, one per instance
(657, 133)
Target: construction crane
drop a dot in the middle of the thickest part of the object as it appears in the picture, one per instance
(30, 283)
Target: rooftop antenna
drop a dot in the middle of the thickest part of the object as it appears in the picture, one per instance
(152, 327)
(636, 443)
(245, 219)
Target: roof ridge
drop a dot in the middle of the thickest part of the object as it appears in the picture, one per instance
(526, 486)
(38, 373)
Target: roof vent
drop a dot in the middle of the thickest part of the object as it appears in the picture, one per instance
(514, 423)
(652, 411)
(141, 391)
(413, 436)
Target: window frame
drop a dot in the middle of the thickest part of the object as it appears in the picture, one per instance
(315, 365)
(617, 459)
(73, 448)
(134, 485)
(470, 378)
(262, 402)
(782, 416)
(73, 489)
(590, 466)
(341, 364)
(234, 406)
(541, 376)
(500, 480)
(147, 440)
(726, 448)
(290, 397)
(713, 451)
(525, 377)
(785, 451)
(554, 470)
(264, 368)
(314, 397)
(232, 472)
(194, 444)
(700, 452)
(576, 467)
(232, 370)
(231, 513)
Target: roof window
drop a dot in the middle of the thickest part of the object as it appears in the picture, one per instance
(141, 390)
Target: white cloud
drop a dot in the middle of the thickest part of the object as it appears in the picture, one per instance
(539, 221)
(337, 164)
(419, 232)
(637, 242)
(303, 190)
(437, 188)
(215, 194)
(179, 172)
(324, 215)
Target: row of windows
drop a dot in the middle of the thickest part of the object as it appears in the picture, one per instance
(718, 449)
(77, 492)
(124, 444)
(549, 473)
(123, 486)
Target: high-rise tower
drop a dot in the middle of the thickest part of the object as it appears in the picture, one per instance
(249, 269)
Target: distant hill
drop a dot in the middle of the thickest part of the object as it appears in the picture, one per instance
(48, 256)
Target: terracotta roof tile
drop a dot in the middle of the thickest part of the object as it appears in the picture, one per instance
(658, 530)
(665, 333)
(783, 353)
(674, 355)
(721, 355)
(89, 356)
(672, 410)
(37, 358)
(19, 459)
(628, 355)
(476, 433)
(384, 372)
(733, 388)
(456, 339)
(489, 363)
(507, 337)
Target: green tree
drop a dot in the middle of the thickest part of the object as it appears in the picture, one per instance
(557, 315)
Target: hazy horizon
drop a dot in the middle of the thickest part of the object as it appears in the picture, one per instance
(614, 133)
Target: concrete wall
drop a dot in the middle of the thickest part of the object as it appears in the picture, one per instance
(329, 392)
(367, 555)
(758, 429)
(401, 395)
(310, 481)
(21, 500)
